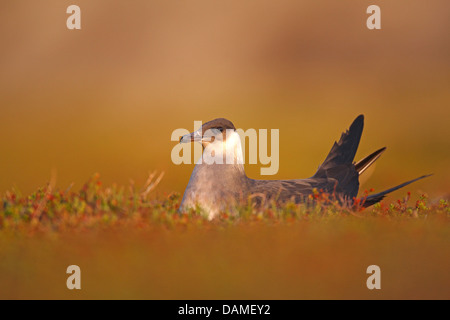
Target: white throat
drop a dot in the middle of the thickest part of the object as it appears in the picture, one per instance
(224, 152)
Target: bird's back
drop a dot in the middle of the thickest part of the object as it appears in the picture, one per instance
(290, 190)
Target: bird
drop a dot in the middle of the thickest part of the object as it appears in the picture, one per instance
(219, 183)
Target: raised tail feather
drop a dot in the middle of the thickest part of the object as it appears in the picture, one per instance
(377, 197)
(365, 163)
(338, 164)
(343, 152)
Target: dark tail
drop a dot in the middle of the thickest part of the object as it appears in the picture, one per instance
(343, 152)
(377, 197)
(339, 165)
(365, 163)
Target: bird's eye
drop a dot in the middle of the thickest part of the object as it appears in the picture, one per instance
(220, 129)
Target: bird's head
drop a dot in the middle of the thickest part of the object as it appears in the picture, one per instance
(216, 131)
(221, 143)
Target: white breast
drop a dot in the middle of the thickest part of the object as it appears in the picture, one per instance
(218, 182)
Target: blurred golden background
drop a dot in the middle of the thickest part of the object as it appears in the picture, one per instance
(308, 260)
(106, 98)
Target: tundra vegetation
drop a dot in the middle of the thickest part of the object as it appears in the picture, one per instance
(130, 243)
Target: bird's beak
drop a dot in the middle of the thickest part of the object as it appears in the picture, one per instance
(193, 136)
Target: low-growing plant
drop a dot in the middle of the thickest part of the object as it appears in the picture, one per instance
(97, 206)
